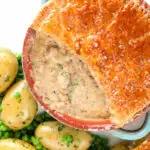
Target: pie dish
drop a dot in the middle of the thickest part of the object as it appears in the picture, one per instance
(136, 134)
(88, 62)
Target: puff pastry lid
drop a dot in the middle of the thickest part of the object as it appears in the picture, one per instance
(113, 37)
(144, 146)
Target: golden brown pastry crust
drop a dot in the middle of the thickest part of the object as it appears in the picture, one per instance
(44, 12)
(144, 146)
(113, 36)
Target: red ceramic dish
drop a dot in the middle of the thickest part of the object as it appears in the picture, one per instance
(69, 120)
(64, 118)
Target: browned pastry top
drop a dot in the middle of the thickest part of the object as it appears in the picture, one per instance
(144, 146)
(113, 36)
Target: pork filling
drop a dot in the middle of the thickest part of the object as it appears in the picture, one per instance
(66, 83)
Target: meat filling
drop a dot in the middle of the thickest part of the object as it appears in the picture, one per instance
(65, 81)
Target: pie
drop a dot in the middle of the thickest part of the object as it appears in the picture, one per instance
(91, 59)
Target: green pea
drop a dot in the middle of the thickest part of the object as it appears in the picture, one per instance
(3, 128)
(30, 127)
(67, 139)
(44, 148)
(26, 138)
(20, 74)
(18, 134)
(39, 147)
(1, 134)
(35, 124)
(7, 135)
(1, 122)
(20, 69)
(38, 118)
(23, 131)
(47, 116)
(19, 57)
(18, 79)
(35, 141)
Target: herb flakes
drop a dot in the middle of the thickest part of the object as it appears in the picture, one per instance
(67, 139)
(75, 84)
(17, 95)
(60, 127)
(60, 66)
(7, 79)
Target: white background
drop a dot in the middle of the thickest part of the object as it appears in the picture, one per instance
(15, 17)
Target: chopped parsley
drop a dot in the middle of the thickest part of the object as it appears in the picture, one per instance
(7, 79)
(65, 73)
(67, 139)
(75, 84)
(79, 141)
(60, 66)
(17, 95)
(70, 97)
(60, 127)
